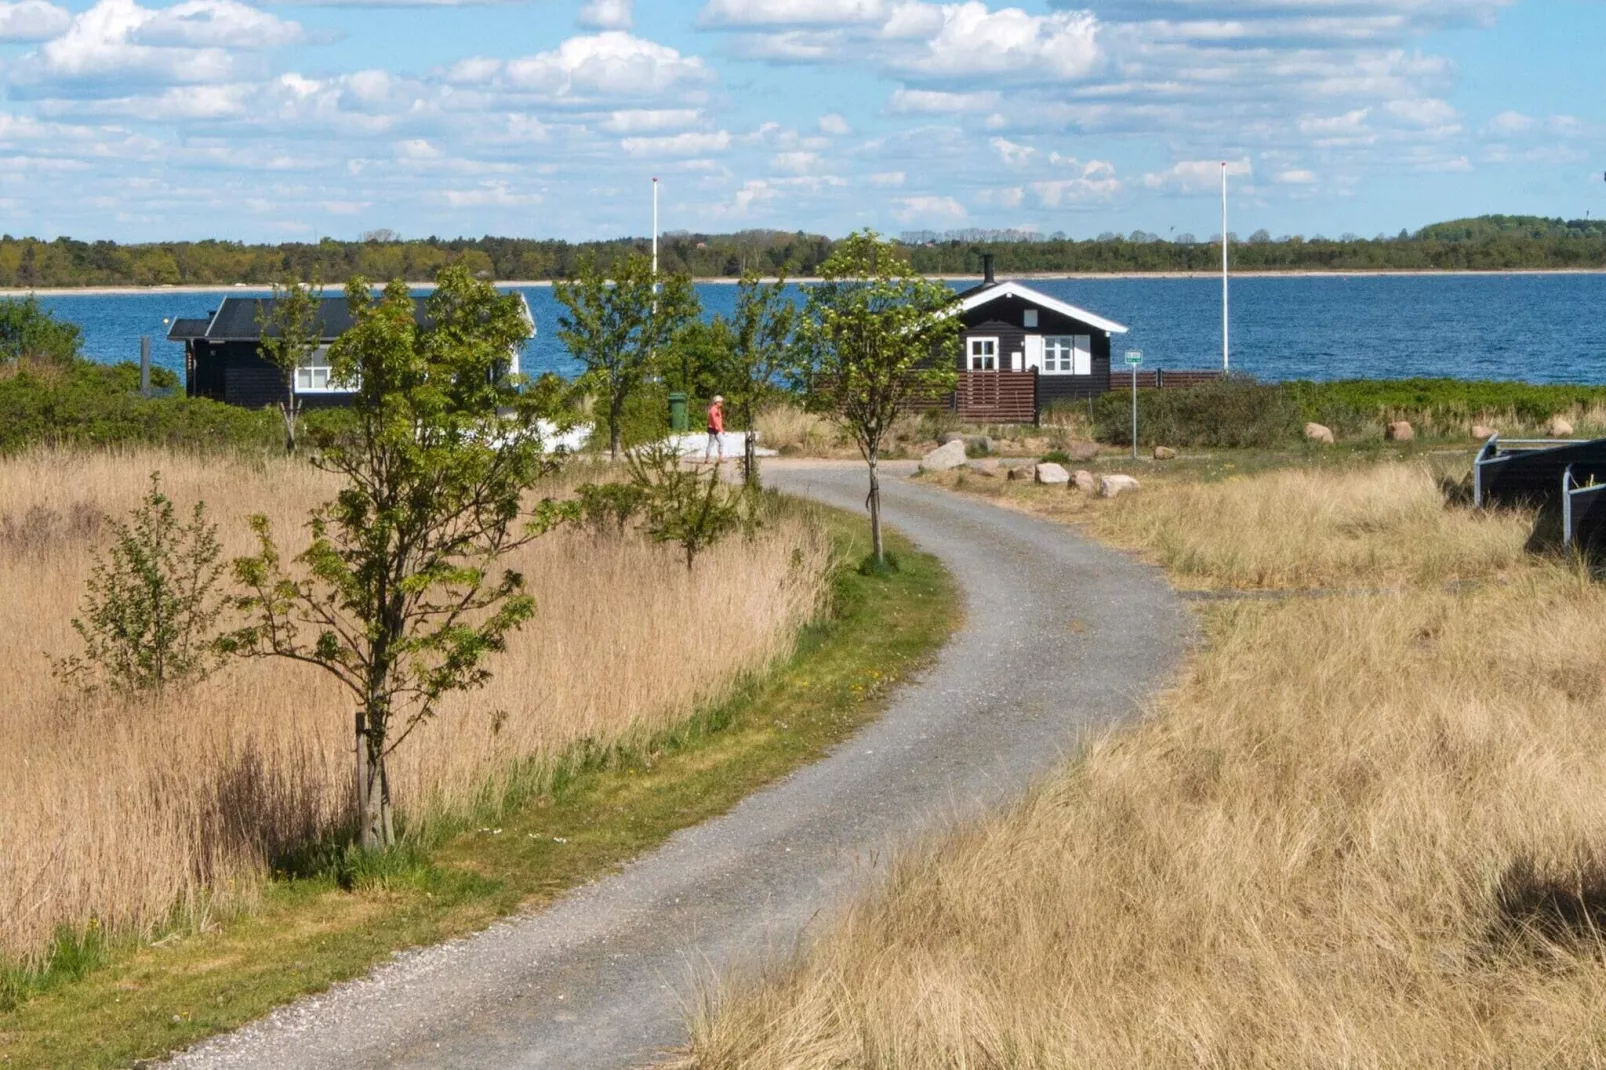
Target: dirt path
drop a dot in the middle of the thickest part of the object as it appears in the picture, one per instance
(1060, 636)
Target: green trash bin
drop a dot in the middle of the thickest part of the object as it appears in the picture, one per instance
(677, 412)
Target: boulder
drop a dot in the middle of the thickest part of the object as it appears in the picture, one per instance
(1560, 427)
(1024, 472)
(1319, 433)
(1164, 453)
(1111, 486)
(1083, 480)
(979, 443)
(949, 436)
(1483, 433)
(984, 466)
(1400, 431)
(1084, 451)
(944, 458)
(1052, 474)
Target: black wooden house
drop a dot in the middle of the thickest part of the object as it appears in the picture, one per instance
(1018, 341)
(223, 359)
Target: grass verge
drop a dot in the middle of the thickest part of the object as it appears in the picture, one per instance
(105, 1007)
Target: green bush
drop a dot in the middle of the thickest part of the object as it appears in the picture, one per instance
(29, 333)
(1435, 401)
(81, 403)
(1232, 412)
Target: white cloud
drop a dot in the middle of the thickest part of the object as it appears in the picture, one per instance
(689, 144)
(604, 66)
(1194, 176)
(1294, 177)
(938, 102)
(887, 179)
(651, 120)
(490, 195)
(216, 24)
(1013, 155)
(792, 12)
(797, 163)
(929, 208)
(32, 20)
(1083, 183)
(1423, 112)
(835, 125)
(607, 14)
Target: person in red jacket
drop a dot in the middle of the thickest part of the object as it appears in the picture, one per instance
(716, 429)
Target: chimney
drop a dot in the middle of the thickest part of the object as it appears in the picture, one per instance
(987, 269)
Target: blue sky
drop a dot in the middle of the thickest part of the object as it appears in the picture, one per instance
(143, 119)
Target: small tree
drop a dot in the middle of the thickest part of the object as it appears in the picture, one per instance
(398, 596)
(682, 505)
(619, 328)
(875, 338)
(759, 353)
(292, 329)
(151, 606)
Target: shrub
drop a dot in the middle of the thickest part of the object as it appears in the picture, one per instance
(1232, 412)
(151, 604)
(29, 333)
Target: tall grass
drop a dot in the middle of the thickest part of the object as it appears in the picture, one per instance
(1360, 831)
(117, 815)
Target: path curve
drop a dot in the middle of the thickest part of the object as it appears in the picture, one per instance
(599, 979)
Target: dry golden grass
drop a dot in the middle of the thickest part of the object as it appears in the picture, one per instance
(1361, 831)
(1378, 525)
(123, 814)
(790, 429)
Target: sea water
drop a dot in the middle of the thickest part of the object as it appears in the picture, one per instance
(1538, 328)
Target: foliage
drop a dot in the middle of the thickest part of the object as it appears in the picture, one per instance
(874, 339)
(151, 608)
(397, 597)
(290, 334)
(99, 405)
(1441, 401)
(684, 506)
(620, 328)
(29, 333)
(609, 508)
(695, 359)
(1231, 412)
(1494, 243)
(756, 357)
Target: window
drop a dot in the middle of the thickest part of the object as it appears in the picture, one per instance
(1068, 354)
(983, 354)
(1029, 319)
(312, 375)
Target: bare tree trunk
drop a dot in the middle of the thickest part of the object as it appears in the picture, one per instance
(615, 414)
(875, 509)
(750, 455)
(375, 827)
(290, 410)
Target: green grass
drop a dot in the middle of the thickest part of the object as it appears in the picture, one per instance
(105, 1007)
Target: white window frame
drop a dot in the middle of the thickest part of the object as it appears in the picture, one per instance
(980, 357)
(1068, 354)
(313, 375)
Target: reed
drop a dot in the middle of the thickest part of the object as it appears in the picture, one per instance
(1360, 830)
(125, 816)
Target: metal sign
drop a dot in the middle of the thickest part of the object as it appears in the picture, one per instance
(1134, 357)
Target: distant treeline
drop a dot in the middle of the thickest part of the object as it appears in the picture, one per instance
(1488, 243)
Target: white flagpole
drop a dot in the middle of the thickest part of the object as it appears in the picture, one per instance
(655, 231)
(1226, 352)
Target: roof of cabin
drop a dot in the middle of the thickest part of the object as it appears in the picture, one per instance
(242, 319)
(986, 293)
(183, 329)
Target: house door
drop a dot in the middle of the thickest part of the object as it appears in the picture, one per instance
(983, 354)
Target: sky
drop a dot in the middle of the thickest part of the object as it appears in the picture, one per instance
(138, 120)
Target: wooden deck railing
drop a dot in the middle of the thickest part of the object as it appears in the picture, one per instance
(1160, 378)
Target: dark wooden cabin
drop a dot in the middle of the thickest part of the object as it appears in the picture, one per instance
(1010, 327)
(223, 359)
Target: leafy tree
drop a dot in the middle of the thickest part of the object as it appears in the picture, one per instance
(151, 606)
(29, 333)
(758, 355)
(875, 339)
(695, 360)
(399, 596)
(619, 329)
(684, 506)
(291, 332)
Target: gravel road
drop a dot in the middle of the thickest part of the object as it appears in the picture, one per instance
(1060, 636)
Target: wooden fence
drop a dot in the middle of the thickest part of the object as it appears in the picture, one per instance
(997, 397)
(1160, 378)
